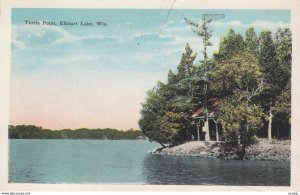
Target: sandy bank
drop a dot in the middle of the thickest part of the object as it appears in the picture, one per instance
(262, 150)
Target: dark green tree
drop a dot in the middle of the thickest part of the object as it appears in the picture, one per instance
(152, 111)
(251, 41)
(272, 73)
(282, 107)
(168, 107)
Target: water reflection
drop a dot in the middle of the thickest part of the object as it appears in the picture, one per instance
(158, 169)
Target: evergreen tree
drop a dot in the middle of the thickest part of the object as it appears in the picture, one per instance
(152, 111)
(230, 45)
(168, 106)
(269, 65)
(186, 75)
(283, 49)
(251, 41)
(282, 107)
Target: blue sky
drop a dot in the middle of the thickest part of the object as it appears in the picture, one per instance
(73, 76)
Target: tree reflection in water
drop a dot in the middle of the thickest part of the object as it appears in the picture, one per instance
(180, 170)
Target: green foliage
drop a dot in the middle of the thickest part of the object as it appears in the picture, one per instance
(275, 61)
(151, 112)
(235, 115)
(186, 68)
(282, 107)
(33, 132)
(269, 64)
(250, 75)
(168, 107)
(283, 49)
(239, 75)
(238, 79)
(171, 124)
(251, 41)
(230, 45)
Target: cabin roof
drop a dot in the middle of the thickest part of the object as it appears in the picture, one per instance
(212, 104)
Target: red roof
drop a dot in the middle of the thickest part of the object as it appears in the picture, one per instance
(212, 104)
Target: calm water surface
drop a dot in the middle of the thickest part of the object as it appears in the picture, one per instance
(106, 161)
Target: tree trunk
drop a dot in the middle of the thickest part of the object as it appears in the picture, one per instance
(206, 130)
(238, 140)
(217, 131)
(162, 144)
(198, 132)
(270, 125)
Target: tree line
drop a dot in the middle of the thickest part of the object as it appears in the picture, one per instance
(251, 76)
(34, 132)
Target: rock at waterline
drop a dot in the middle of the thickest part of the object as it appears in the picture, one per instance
(259, 151)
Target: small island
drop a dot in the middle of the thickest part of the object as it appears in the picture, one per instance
(233, 105)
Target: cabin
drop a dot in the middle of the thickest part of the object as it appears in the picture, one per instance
(207, 120)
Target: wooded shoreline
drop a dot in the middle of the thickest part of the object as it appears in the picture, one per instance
(239, 94)
(261, 150)
(34, 132)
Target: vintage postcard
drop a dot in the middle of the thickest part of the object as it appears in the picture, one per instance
(149, 95)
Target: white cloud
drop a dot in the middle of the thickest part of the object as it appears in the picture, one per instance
(20, 31)
(19, 45)
(232, 24)
(151, 37)
(268, 25)
(175, 29)
(73, 38)
(73, 59)
(258, 24)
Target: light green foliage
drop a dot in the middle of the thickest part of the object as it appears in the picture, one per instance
(170, 125)
(238, 75)
(236, 114)
(230, 45)
(238, 79)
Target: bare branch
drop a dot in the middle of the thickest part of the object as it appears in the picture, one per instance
(191, 22)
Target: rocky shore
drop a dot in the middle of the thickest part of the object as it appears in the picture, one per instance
(261, 150)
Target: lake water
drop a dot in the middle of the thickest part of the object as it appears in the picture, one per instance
(129, 162)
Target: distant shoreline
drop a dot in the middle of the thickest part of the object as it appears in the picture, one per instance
(76, 139)
(34, 132)
(262, 150)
